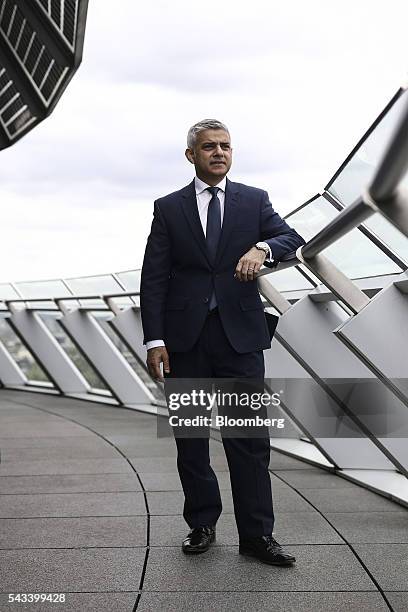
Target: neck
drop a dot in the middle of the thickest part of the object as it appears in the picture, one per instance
(210, 180)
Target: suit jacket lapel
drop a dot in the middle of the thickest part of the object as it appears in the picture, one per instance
(190, 209)
(230, 215)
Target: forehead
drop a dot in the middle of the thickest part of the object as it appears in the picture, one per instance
(220, 136)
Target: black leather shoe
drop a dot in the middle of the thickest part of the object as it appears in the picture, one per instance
(199, 540)
(266, 549)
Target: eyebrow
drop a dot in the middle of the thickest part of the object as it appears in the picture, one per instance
(206, 142)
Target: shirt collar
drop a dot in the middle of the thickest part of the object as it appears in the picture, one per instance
(200, 186)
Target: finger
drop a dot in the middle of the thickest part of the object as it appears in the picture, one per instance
(244, 271)
(151, 370)
(238, 270)
(257, 267)
(251, 270)
(155, 369)
(166, 363)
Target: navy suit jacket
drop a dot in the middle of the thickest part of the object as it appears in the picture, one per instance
(178, 278)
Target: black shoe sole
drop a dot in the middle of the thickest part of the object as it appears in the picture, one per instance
(250, 553)
(198, 551)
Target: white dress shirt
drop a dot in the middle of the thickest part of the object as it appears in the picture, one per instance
(203, 197)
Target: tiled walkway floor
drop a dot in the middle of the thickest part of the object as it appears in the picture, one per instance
(90, 506)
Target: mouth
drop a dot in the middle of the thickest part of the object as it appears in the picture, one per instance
(217, 163)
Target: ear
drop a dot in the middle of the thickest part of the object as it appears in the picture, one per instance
(190, 155)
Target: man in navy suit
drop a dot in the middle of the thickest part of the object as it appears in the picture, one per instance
(203, 318)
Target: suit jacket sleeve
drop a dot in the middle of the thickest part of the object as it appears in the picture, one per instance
(281, 238)
(155, 277)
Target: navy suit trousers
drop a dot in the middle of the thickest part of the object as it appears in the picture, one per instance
(212, 356)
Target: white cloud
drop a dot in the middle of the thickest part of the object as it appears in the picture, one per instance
(297, 83)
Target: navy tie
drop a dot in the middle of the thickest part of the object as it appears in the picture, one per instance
(213, 231)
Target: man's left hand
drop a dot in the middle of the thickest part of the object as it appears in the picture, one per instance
(249, 264)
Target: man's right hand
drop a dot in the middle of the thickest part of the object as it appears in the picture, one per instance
(156, 356)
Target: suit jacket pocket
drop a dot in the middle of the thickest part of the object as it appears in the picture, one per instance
(251, 302)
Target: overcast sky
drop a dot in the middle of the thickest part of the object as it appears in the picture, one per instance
(298, 83)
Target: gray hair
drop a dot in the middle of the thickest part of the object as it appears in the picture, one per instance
(205, 124)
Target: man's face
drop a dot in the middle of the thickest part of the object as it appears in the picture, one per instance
(212, 155)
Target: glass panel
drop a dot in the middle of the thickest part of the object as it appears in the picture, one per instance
(21, 354)
(288, 280)
(137, 365)
(312, 218)
(7, 292)
(392, 237)
(94, 285)
(358, 172)
(87, 371)
(354, 254)
(130, 279)
(41, 289)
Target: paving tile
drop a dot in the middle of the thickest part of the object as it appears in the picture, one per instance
(60, 571)
(304, 528)
(398, 601)
(69, 483)
(11, 455)
(32, 418)
(73, 532)
(149, 448)
(262, 602)
(388, 563)
(69, 466)
(153, 481)
(80, 602)
(314, 479)
(375, 527)
(49, 462)
(279, 461)
(90, 441)
(171, 502)
(7, 408)
(72, 504)
(166, 465)
(146, 431)
(349, 499)
(29, 430)
(318, 568)
(290, 528)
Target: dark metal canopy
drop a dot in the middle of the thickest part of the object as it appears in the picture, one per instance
(41, 44)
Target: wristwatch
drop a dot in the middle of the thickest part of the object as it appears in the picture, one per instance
(263, 246)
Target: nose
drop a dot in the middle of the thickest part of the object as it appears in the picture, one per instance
(218, 151)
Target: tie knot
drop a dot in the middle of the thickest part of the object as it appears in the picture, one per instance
(213, 190)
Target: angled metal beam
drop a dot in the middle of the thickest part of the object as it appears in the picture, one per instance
(45, 347)
(274, 297)
(335, 280)
(10, 373)
(105, 357)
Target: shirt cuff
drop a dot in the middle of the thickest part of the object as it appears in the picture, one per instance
(154, 343)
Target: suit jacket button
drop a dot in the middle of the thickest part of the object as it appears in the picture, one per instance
(206, 300)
